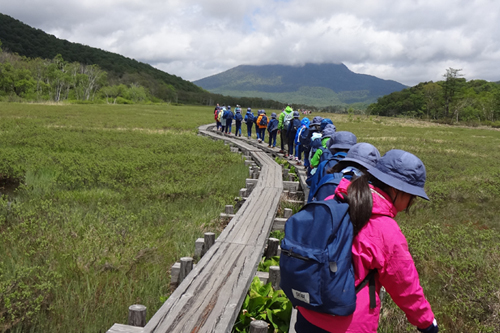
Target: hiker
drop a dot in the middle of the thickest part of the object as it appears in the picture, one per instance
(257, 131)
(272, 128)
(339, 145)
(379, 246)
(229, 119)
(249, 121)
(306, 143)
(222, 119)
(216, 116)
(301, 135)
(359, 158)
(284, 122)
(238, 118)
(262, 125)
(326, 134)
(293, 127)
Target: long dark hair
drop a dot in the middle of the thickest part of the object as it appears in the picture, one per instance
(359, 197)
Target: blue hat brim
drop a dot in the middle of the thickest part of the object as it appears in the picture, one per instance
(360, 162)
(397, 183)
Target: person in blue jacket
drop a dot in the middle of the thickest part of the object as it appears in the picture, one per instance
(249, 119)
(299, 137)
(272, 128)
(229, 119)
(238, 118)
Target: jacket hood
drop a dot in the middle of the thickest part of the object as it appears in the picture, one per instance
(305, 122)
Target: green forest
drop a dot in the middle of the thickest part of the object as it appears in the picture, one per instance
(37, 67)
(24, 79)
(453, 100)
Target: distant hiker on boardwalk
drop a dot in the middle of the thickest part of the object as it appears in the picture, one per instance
(238, 118)
(380, 247)
(272, 128)
(222, 119)
(284, 122)
(293, 127)
(229, 115)
(257, 131)
(301, 136)
(216, 116)
(306, 143)
(249, 119)
(262, 125)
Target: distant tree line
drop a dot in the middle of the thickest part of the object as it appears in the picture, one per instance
(26, 79)
(452, 100)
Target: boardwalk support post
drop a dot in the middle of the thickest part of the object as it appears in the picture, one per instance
(186, 267)
(258, 326)
(137, 315)
(272, 247)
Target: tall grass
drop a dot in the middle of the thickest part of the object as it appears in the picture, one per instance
(108, 200)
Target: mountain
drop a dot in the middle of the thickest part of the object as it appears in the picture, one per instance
(311, 84)
(17, 37)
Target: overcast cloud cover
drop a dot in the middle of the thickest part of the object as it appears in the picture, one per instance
(409, 41)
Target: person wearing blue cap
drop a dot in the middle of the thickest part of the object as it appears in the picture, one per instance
(359, 158)
(229, 116)
(375, 198)
(301, 133)
(238, 118)
(249, 118)
(306, 143)
(272, 128)
(293, 127)
(338, 146)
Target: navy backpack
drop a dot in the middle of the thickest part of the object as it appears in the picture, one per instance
(315, 263)
(327, 186)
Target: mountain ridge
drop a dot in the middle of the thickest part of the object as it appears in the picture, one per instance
(279, 81)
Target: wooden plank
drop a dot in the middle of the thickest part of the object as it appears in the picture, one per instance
(119, 328)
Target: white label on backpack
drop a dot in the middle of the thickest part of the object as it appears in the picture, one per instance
(301, 296)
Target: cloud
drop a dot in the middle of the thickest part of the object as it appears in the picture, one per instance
(406, 41)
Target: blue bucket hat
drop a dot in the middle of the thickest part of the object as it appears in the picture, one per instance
(402, 171)
(325, 122)
(316, 120)
(328, 131)
(343, 140)
(273, 115)
(296, 114)
(364, 154)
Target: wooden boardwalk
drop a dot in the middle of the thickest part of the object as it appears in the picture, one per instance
(210, 297)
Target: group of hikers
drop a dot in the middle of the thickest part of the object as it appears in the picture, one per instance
(374, 189)
(291, 129)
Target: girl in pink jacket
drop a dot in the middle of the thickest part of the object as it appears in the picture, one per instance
(395, 182)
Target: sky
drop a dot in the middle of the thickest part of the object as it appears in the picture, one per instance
(409, 41)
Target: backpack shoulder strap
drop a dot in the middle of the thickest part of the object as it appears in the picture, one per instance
(370, 280)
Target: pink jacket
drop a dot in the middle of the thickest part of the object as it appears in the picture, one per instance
(381, 245)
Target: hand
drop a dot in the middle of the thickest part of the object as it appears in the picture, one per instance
(431, 329)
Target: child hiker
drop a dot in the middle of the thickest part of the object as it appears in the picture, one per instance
(272, 128)
(379, 245)
(262, 125)
(249, 121)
